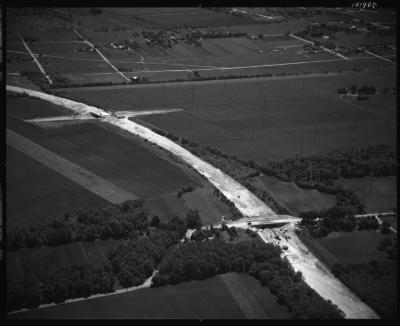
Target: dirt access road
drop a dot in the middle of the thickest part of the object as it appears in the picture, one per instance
(315, 274)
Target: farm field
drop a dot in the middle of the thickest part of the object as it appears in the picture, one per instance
(292, 197)
(44, 193)
(20, 62)
(379, 194)
(34, 27)
(199, 17)
(29, 108)
(90, 78)
(116, 159)
(159, 64)
(347, 247)
(209, 299)
(264, 119)
(32, 261)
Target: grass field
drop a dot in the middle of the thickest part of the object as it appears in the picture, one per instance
(210, 208)
(292, 197)
(31, 261)
(37, 194)
(265, 119)
(209, 299)
(347, 247)
(379, 194)
(119, 160)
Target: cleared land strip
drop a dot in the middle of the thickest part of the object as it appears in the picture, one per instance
(36, 60)
(243, 297)
(323, 282)
(101, 55)
(81, 176)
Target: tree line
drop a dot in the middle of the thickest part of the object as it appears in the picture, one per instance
(337, 218)
(201, 260)
(59, 284)
(111, 222)
(374, 282)
(130, 264)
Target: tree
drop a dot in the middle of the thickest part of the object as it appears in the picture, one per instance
(193, 220)
(155, 221)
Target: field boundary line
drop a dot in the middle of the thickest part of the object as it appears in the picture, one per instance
(68, 169)
(36, 60)
(242, 296)
(378, 56)
(101, 55)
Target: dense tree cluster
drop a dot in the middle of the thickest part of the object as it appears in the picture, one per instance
(374, 282)
(379, 160)
(111, 222)
(353, 89)
(58, 285)
(338, 218)
(290, 289)
(135, 261)
(204, 234)
(367, 223)
(193, 220)
(201, 260)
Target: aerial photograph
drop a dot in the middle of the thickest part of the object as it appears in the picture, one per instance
(200, 162)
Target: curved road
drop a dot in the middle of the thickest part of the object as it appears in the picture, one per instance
(315, 274)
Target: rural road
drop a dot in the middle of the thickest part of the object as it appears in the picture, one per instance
(315, 274)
